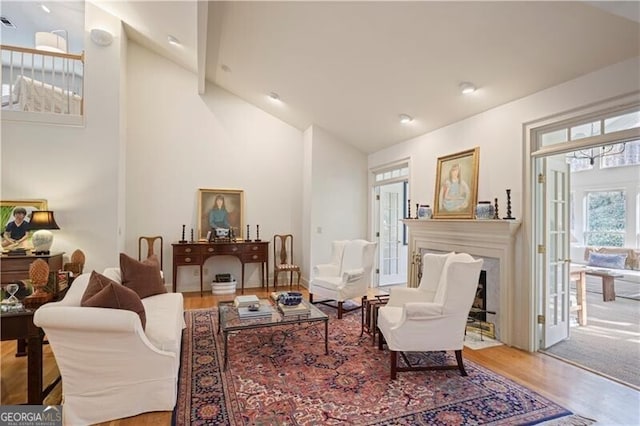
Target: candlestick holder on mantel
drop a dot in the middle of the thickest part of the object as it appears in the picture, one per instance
(247, 238)
(257, 240)
(508, 216)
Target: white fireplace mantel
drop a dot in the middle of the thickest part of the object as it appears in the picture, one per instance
(483, 238)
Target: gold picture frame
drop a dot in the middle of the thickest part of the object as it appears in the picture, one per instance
(6, 213)
(232, 211)
(456, 193)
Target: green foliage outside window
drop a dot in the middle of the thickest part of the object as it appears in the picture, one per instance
(606, 218)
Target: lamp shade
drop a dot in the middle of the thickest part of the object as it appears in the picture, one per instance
(51, 42)
(42, 221)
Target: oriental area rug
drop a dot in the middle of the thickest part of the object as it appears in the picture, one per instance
(281, 376)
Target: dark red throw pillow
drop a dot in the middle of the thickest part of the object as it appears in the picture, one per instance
(102, 292)
(142, 277)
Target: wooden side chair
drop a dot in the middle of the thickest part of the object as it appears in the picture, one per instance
(150, 243)
(76, 264)
(283, 259)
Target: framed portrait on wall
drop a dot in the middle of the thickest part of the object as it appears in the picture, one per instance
(457, 185)
(7, 209)
(220, 208)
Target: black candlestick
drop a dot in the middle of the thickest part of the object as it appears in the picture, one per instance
(417, 208)
(495, 205)
(408, 209)
(508, 216)
(257, 233)
(182, 241)
(191, 234)
(247, 239)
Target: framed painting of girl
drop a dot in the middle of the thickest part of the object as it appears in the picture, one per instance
(457, 185)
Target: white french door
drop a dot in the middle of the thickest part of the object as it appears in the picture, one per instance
(392, 261)
(553, 238)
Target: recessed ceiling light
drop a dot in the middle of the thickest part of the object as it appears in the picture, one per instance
(45, 8)
(274, 96)
(466, 87)
(173, 41)
(405, 118)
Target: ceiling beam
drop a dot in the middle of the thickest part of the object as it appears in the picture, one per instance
(203, 21)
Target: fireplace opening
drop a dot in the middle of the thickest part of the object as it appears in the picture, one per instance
(478, 315)
(480, 300)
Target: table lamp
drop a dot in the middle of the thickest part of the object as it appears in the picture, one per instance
(41, 222)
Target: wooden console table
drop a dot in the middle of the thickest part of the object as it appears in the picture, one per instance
(197, 253)
(16, 268)
(19, 326)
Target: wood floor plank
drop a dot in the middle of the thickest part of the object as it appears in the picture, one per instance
(578, 390)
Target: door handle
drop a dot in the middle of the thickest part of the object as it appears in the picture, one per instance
(564, 260)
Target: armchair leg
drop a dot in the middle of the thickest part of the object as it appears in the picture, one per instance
(310, 297)
(463, 372)
(380, 340)
(339, 310)
(394, 364)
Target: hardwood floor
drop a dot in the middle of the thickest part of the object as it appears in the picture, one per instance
(578, 390)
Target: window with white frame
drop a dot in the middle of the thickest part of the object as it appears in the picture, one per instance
(626, 154)
(605, 218)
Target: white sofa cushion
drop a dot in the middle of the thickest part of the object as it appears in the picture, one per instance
(165, 320)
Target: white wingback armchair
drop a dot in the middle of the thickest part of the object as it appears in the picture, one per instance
(347, 276)
(432, 317)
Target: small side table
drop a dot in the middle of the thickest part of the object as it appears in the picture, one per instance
(369, 314)
(19, 325)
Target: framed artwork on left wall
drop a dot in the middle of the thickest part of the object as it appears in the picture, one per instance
(7, 208)
(220, 208)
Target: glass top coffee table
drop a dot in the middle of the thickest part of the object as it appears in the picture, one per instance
(229, 321)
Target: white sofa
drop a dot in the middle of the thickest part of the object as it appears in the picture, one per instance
(111, 368)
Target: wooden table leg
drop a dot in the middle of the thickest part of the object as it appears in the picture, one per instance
(581, 295)
(608, 289)
(242, 284)
(21, 349)
(34, 368)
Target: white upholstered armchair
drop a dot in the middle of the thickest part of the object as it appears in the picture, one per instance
(432, 317)
(347, 276)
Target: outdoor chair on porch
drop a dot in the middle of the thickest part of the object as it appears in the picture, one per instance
(432, 317)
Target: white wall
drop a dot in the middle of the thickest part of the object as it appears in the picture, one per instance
(179, 141)
(338, 194)
(76, 169)
(499, 134)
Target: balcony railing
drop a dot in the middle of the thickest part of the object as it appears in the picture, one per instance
(42, 82)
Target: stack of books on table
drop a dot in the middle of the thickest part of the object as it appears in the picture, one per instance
(293, 311)
(264, 311)
(244, 301)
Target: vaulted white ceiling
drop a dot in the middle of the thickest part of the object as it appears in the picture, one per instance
(353, 67)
